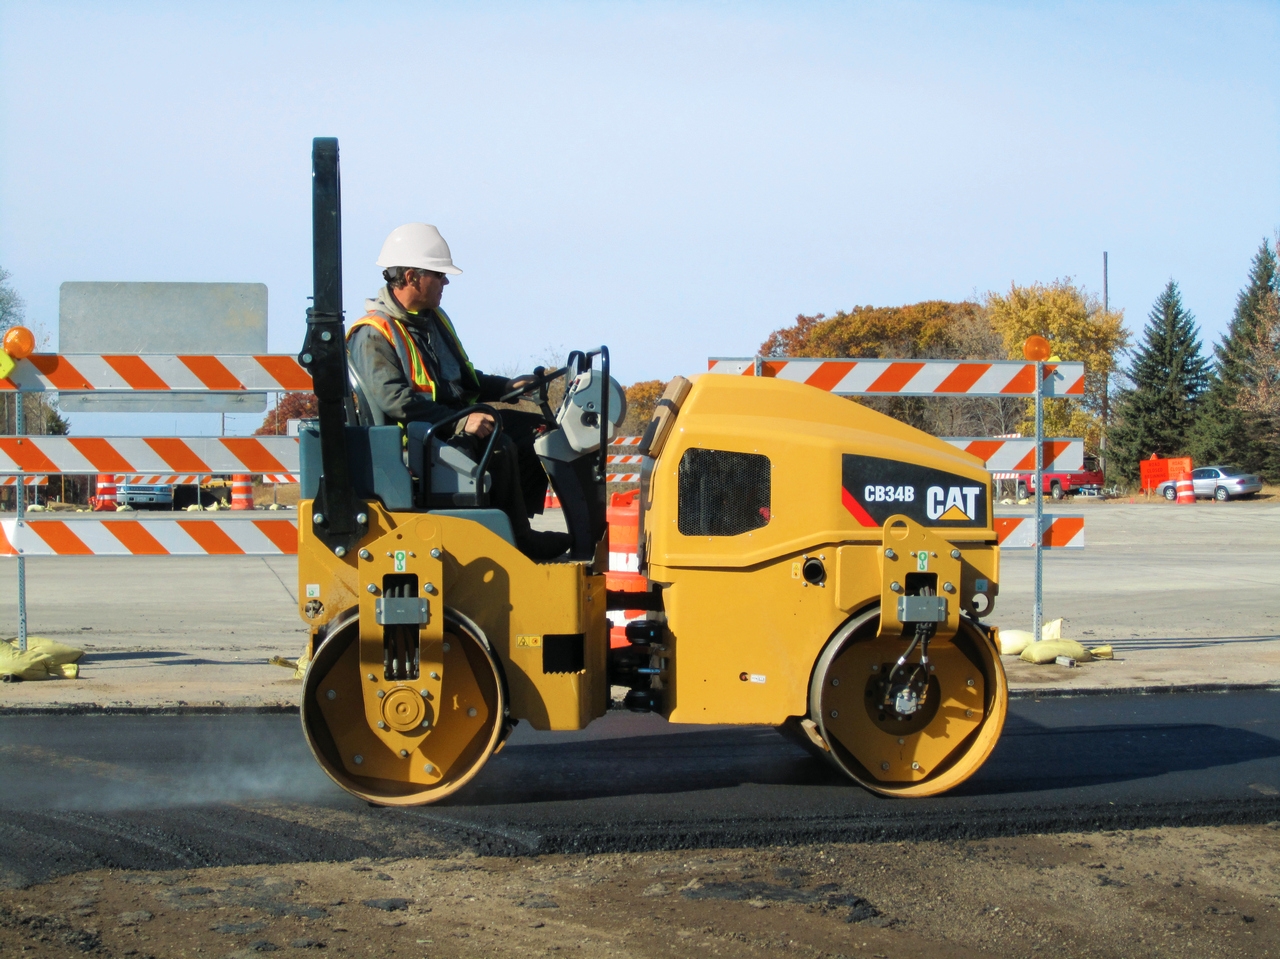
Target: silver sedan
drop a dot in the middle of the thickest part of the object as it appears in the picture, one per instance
(1217, 482)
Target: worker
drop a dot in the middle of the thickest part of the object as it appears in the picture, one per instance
(411, 365)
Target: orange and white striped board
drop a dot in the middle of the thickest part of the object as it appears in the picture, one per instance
(158, 479)
(619, 459)
(1060, 532)
(26, 481)
(552, 501)
(852, 377)
(121, 535)
(625, 441)
(1019, 455)
(118, 373)
(997, 453)
(157, 456)
(280, 478)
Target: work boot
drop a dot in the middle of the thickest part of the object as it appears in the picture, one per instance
(542, 545)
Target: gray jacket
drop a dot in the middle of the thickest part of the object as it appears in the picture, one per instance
(388, 386)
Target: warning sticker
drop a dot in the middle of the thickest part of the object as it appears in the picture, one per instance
(875, 489)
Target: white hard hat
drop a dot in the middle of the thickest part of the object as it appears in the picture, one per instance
(417, 245)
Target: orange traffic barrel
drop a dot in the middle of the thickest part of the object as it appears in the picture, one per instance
(624, 561)
(105, 493)
(241, 492)
(1186, 492)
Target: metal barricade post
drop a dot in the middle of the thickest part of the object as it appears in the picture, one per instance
(19, 428)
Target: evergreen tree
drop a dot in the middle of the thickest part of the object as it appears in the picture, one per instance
(1169, 375)
(1224, 432)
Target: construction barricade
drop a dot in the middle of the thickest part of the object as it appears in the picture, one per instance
(113, 459)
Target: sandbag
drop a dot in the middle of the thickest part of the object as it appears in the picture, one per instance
(44, 659)
(1014, 641)
(299, 665)
(1046, 651)
(1051, 629)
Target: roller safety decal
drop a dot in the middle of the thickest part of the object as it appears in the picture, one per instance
(873, 489)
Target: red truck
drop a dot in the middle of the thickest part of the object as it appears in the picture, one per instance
(1087, 481)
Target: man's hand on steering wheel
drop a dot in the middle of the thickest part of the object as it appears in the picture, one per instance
(478, 424)
(526, 383)
(522, 384)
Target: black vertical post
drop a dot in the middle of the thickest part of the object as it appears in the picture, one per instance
(324, 352)
(1106, 381)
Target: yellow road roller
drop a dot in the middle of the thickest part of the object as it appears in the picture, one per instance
(810, 565)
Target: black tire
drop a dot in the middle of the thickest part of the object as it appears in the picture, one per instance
(1023, 492)
(1221, 494)
(1171, 493)
(1056, 490)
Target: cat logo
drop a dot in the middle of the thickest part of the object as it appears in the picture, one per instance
(952, 503)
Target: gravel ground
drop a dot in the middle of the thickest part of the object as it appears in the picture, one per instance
(1168, 892)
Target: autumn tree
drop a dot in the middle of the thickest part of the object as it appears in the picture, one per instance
(292, 406)
(642, 399)
(1169, 375)
(1073, 321)
(934, 329)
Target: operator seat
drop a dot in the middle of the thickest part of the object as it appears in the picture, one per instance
(453, 480)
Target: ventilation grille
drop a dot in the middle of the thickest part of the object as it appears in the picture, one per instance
(722, 494)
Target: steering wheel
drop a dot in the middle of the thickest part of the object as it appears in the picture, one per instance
(541, 378)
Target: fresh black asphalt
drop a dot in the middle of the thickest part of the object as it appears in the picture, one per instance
(154, 792)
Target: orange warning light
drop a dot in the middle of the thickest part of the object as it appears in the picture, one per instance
(1036, 348)
(19, 342)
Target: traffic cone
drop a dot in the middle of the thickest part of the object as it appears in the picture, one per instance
(241, 492)
(624, 561)
(105, 498)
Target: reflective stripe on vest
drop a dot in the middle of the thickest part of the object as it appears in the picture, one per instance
(398, 336)
(401, 340)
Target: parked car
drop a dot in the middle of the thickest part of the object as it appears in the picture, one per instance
(1089, 480)
(1218, 482)
(145, 497)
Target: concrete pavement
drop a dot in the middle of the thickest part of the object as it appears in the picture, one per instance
(1185, 594)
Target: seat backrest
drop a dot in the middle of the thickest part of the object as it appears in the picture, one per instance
(369, 413)
(374, 458)
(453, 472)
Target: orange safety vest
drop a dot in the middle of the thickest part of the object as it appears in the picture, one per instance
(415, 369)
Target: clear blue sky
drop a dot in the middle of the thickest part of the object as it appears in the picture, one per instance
(674, 179)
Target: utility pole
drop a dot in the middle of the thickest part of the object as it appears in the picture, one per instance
(1106, 380)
